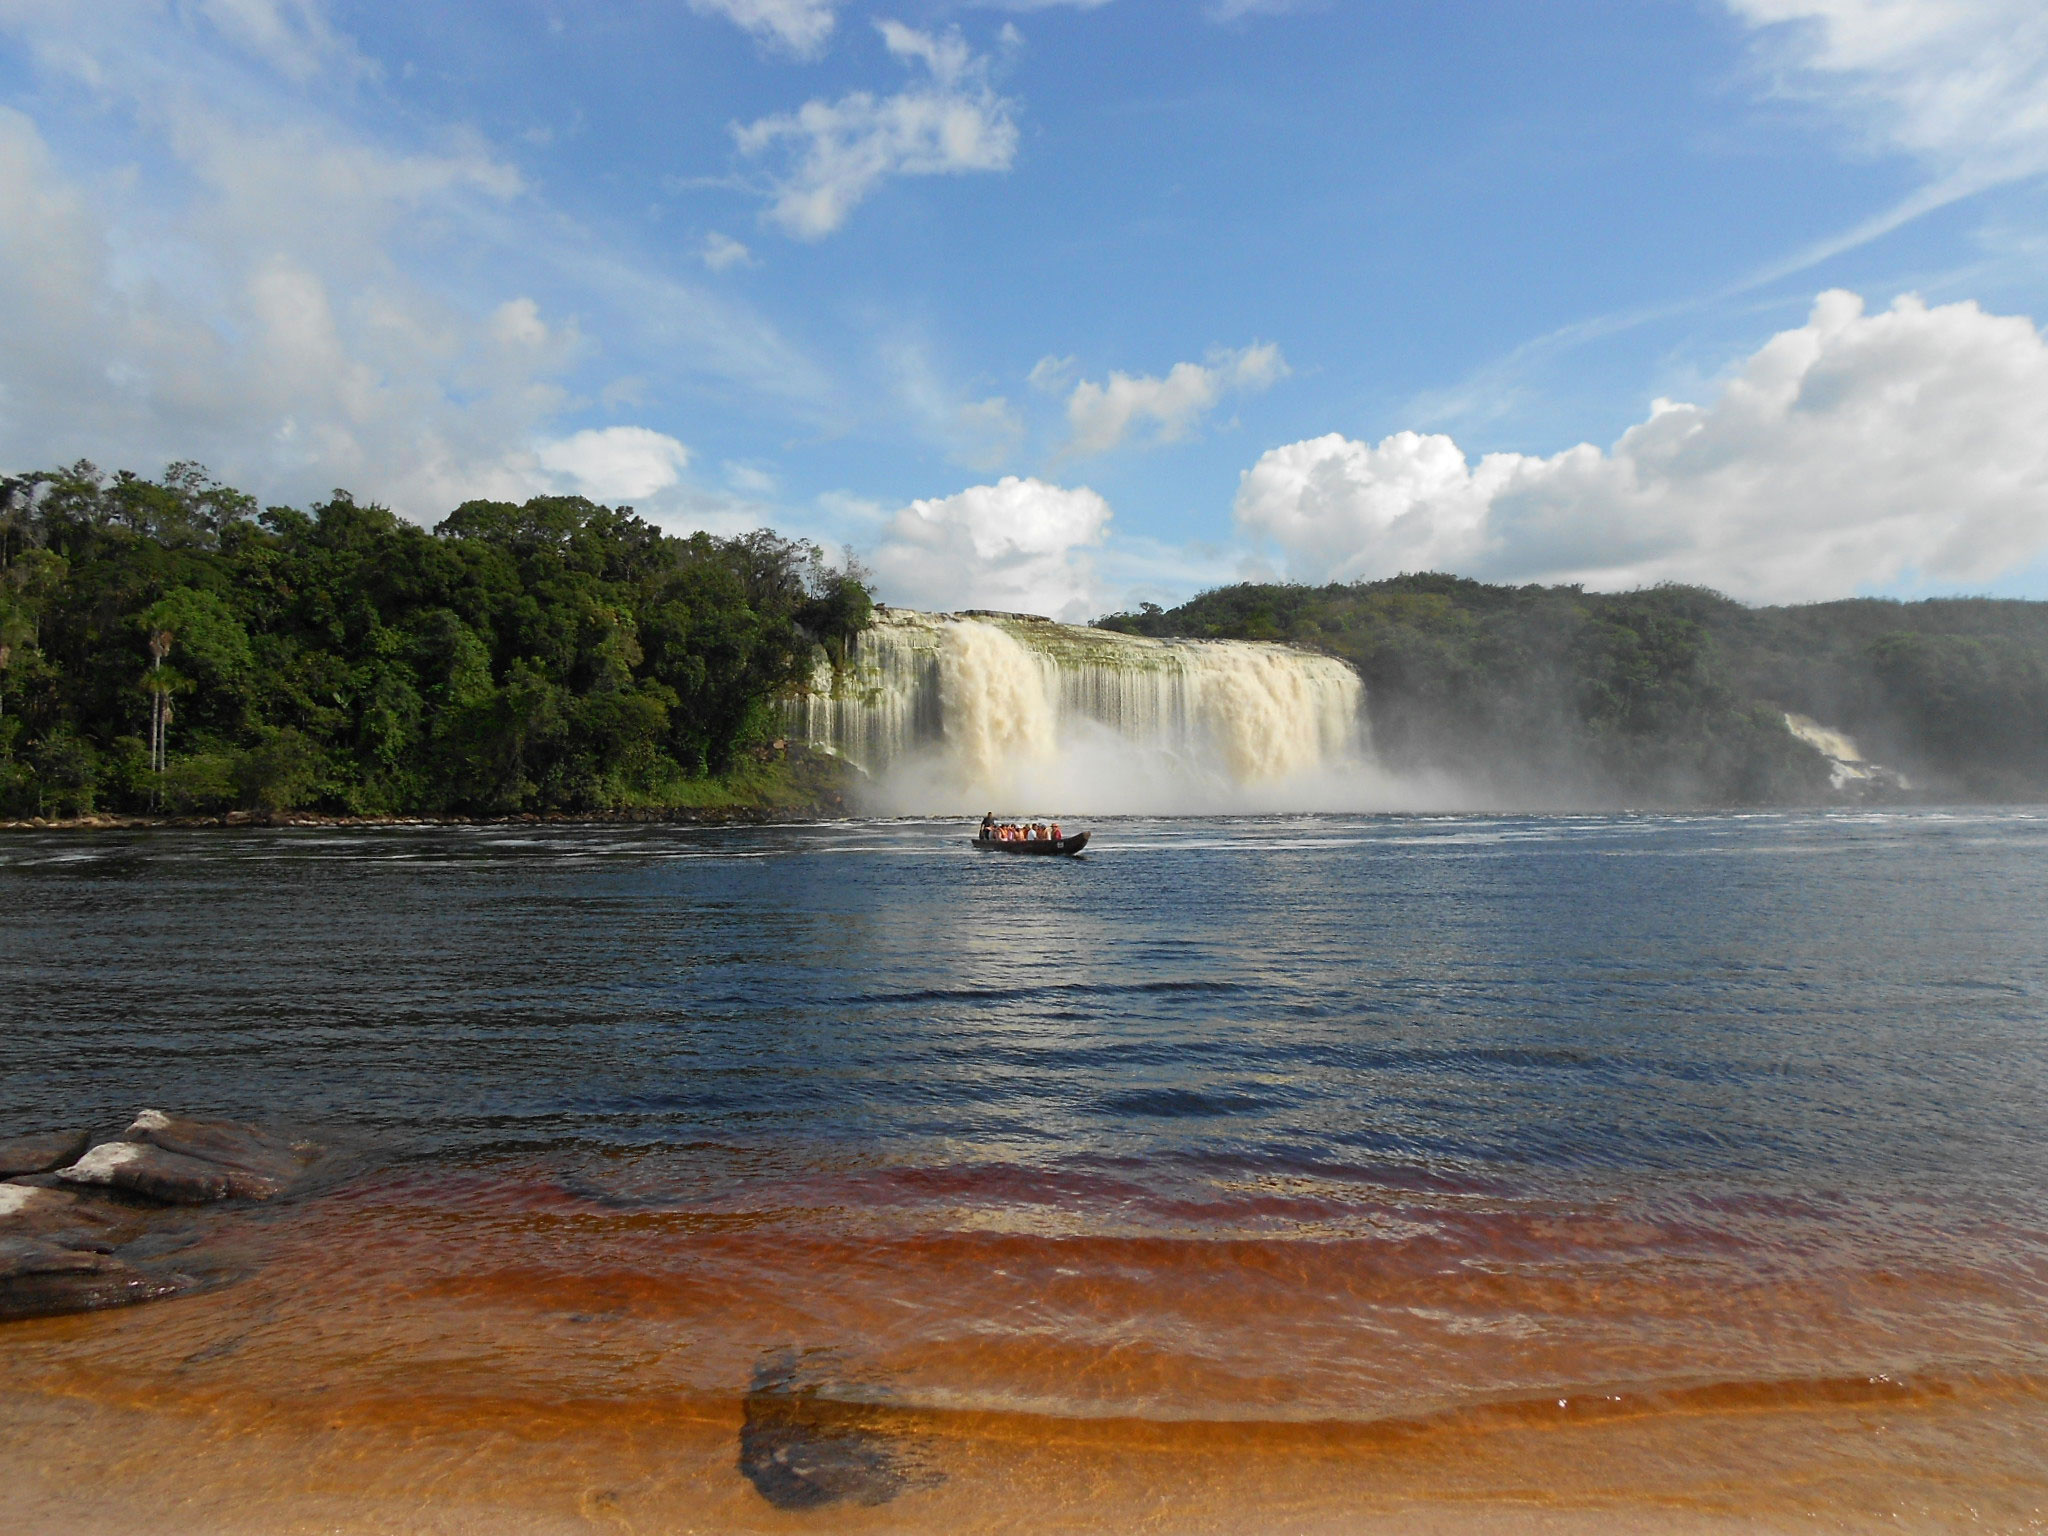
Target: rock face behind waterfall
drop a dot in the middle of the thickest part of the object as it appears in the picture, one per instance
(979, 694)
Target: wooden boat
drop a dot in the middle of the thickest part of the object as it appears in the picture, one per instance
(1050, 847)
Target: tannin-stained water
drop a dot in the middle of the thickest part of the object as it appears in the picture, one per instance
(1315, 1174)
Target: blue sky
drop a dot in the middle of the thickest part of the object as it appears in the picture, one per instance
(1060, 307)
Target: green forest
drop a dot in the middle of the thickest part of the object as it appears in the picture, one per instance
(1672, 695)
(167, 645)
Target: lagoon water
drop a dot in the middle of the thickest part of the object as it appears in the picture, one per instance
(1262, 1174)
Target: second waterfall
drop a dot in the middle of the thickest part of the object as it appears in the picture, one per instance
(963, 712)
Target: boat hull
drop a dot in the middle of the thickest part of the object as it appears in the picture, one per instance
(1048, 847)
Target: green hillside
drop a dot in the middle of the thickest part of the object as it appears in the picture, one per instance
(1672, 695)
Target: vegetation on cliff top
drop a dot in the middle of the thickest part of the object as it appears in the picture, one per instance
(1672, 695)
(167, 644)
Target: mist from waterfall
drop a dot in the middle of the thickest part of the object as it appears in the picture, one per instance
(960, 713)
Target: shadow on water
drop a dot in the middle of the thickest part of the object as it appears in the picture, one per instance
(801, 1450)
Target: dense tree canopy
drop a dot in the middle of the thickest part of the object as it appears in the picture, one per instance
(1673, 695)
(556, 655)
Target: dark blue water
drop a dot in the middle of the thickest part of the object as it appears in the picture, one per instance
(1784, 998)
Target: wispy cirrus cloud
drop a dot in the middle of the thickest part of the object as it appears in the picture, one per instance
(293, 36)
(799, 27)
(834, 154)
(298, 298)
(1961, 86)
(720, 252)
(1958, 87)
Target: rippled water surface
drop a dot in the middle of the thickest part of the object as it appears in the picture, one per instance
(1316, 1173)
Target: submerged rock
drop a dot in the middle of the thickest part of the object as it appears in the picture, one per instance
(804, 1451)
(39, 1154)
(43, 1277)
(222, 1141)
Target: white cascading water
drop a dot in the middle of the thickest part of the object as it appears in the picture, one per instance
(964, 712)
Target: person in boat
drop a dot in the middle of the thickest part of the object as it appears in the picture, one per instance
(1055, 831)
(988, 827)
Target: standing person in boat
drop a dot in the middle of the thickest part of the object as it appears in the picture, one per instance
(988, 827)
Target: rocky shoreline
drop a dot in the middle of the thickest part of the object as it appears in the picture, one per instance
(86, 1225)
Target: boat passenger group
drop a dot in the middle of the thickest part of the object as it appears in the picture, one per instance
(993, 831)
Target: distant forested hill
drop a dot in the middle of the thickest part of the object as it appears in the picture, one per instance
(166, 642)
(1673, 695)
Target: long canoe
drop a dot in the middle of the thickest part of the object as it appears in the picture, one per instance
(1050, 847)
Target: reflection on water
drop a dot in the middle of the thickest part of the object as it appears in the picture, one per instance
(1296, 1173)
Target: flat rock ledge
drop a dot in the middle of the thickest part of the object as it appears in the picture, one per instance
(186, 1161)
(68, 1208)
(40, 1154)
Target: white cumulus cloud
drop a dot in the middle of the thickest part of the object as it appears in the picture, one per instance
(1021, 545)
(835, 153)
(615, 463)
(1858, 451)
(800, 26)
(1101, 416)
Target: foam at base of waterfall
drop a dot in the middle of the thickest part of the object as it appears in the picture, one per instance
(1098, 773)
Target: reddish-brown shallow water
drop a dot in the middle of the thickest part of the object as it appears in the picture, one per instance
(663, 1173)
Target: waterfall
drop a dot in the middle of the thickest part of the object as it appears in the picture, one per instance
(947, 711)
(1848, 770)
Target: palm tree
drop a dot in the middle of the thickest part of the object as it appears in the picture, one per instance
(159, 708)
